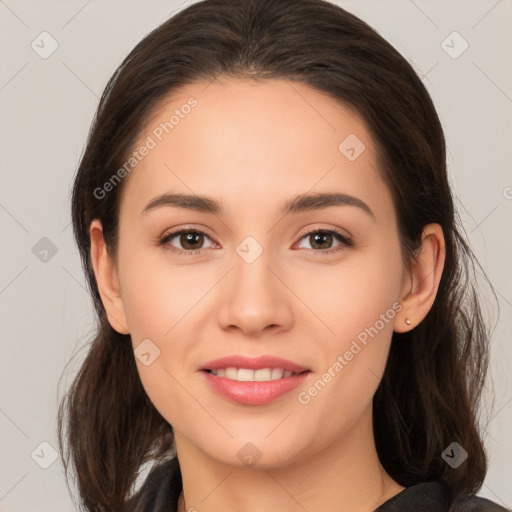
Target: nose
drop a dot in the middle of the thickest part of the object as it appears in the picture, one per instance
(255, 299)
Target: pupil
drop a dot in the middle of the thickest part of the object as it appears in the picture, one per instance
(188, 238)
(317, 236)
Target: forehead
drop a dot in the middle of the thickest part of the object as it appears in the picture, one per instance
(257, 140)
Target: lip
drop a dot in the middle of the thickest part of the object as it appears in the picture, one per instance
(253, 363)
(256, 392)
(253, 393)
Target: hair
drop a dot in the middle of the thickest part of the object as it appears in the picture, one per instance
(430, 394)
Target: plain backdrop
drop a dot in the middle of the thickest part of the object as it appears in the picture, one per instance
(47, 105)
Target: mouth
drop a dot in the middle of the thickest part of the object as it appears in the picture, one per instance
(253, 381)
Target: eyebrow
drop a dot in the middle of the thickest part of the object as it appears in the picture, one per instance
(300, 203)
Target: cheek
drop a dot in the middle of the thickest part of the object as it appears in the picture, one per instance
(352, 295)
(156, 294)
(358, 302)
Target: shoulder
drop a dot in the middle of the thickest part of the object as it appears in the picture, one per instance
(431, 496)
(472, 503)
(160, 490)
(434, 496)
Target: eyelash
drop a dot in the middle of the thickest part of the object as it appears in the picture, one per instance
(343, 239)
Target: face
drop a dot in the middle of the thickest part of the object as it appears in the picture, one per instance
(317, 284)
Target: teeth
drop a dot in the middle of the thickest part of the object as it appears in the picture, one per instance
(277, 373)
(247, 375)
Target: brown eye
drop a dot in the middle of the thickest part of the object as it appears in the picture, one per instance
(190, 241)
(321, 240)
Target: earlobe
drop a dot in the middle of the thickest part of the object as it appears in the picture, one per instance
(107, 280)
(420, 287)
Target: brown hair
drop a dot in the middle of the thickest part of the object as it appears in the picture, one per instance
(430, 393)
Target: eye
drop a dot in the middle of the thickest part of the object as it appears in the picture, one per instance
(322, 237)
(190, 239)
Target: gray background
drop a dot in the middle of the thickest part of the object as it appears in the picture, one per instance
(46, 108)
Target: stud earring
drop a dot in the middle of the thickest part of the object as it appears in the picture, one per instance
(407, 321)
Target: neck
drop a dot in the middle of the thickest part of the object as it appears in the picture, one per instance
(346, 475)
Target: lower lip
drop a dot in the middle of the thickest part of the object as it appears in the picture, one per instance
(254, 393)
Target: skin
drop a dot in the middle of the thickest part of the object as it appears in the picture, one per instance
(254, 145)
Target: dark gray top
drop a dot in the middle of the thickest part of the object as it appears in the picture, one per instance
(162, 487)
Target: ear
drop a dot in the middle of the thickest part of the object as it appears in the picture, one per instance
(107, 279)
(422, 282)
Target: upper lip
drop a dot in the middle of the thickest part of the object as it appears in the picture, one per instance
(253, 363)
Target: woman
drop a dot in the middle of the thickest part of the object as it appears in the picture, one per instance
(286, 314)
